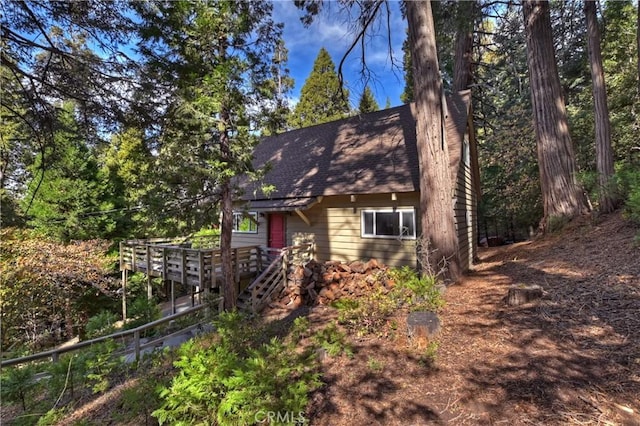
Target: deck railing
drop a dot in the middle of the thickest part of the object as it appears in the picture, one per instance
(136, 345)
(186, 265)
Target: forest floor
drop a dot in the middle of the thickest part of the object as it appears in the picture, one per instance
(570, 358)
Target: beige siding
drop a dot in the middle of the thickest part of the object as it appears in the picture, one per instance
(243, 239)
(335, 228)
(465, 215)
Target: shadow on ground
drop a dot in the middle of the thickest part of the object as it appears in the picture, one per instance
(572, 357)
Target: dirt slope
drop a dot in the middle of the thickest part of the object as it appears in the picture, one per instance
(571, 358)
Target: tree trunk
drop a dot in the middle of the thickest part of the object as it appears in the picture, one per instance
(561, 196)
(638, 46)
(462, 70)
(230, 292)
(520, 294)
(439, 243)
(604, 152)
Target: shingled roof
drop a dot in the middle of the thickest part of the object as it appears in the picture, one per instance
(364, 154)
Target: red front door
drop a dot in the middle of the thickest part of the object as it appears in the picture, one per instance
(276, 230)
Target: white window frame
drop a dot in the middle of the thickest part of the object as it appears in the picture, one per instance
(466, 152)
(239, 216)
(388, 237)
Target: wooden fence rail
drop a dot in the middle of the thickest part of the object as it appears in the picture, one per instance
(54, 354)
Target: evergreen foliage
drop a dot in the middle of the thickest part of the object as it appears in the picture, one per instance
(628, 181)
(621, 75)
(237, 377)
(128, 173)
(321, 98)
(369, 314)
(66, 190)
(277, 86)
(367, 102)
(17, 384)
(511, 201)
(407, 94)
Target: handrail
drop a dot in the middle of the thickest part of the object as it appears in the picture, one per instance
(55, 353)
(268, 271)
(269, 277)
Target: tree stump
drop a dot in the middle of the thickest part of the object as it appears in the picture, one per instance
(422, 326)
(520, 294)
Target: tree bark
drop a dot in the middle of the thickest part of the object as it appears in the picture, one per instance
(439, 251)
(230, 292)
(562, 198)
(462, 69)
(604, 151)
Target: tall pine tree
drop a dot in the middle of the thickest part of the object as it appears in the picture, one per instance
(214, 57)
(321, 99)
(66, 200)
(367, 102)
(562, 197)
(604, 152)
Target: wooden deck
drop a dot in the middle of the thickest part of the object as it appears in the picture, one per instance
(197, 267)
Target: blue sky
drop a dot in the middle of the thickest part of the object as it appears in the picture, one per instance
(331, 31)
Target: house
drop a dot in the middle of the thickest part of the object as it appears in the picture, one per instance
(352, 187)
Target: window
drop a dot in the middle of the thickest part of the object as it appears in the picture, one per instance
(466, 154)
(389, 223)
(245, 222)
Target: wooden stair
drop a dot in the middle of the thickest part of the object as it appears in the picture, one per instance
(258, 294)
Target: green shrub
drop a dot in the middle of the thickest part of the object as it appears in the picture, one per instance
(368, 314)
(53, 417)
(300, 328)
(588, 180)
(17, 384)
(65, 375)
(430, 353)
(333, 341)
(100, 362)
(142, 311)
(375, 365)
(628, 180)
(236, 378)
(420, 292)
(101, 324)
